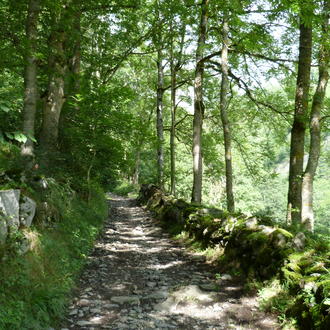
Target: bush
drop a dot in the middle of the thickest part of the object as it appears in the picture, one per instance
(10, 165)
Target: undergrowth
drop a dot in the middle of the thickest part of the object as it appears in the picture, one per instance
(125, 188)
(35, 287)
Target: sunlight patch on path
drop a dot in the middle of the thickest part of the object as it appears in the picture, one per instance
(138, 278)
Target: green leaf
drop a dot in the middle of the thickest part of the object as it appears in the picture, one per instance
(32, 138)
(20, 137)
(4, 108)
(9, 135)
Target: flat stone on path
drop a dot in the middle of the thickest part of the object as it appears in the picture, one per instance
(138, 278)
(126, 300)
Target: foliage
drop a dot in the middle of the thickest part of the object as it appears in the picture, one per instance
(35, 287)
(107, 126)
(125, 188)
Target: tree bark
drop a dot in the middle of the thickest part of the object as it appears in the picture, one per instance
(30, 79)
(224, 118)
(75, 60)
(299, 125)
(175, 67)
(136, 174)
(72, 86)
(54, 99)
(307, 214)
(199, 108)
(160, 126)
(173, 121)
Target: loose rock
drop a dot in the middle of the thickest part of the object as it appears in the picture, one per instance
(139, 279)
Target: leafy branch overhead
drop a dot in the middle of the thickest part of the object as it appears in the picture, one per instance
(218, 102)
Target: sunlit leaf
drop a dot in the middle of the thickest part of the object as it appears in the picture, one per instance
(4, 108)
(20, 137)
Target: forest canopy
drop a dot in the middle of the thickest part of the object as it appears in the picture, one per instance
(218, 109)
(224, 101)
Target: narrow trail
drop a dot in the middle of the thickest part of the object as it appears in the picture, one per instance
(138, 278)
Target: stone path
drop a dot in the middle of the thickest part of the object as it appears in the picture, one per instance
(138, 278)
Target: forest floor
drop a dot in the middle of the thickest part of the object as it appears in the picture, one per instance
(139, 278)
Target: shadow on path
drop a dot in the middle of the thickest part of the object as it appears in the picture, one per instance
(138, 278)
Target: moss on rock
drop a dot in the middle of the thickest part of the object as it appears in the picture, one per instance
(258, 248)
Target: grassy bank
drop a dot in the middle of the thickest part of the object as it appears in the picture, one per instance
(35, 287)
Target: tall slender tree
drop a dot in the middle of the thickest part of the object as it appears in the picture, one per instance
(224, 115)
(160, 124)
(30, 78)
(307, 214)
(158, 41)
(55, 97)
(300, 119)
(199, 107)
(175, 66)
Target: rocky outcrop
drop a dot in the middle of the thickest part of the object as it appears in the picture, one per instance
(27, 211)
(3, 228)
(9, 206)
(16, 212)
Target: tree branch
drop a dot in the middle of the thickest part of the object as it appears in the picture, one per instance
(111, 71)
(243, 85)
(182, 119)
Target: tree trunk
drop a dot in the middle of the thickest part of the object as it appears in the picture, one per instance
(299, 125)
(173, 121)
(55, 97)
(175, 67)
(73, 72)
(76, 58)
(199, 109)
(224, 118)
(307, 214)
(136, 174)
(160, 126)
(30, 79)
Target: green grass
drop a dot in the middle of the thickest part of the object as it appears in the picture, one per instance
(35, 288)
(126, 189)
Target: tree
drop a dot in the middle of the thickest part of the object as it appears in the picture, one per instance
(158, 39)
(160, 125)
(30, 78)
(176, 62)
(54, 97)
(224, 116)
(300, 115)
(199, 107)
(307, 214)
